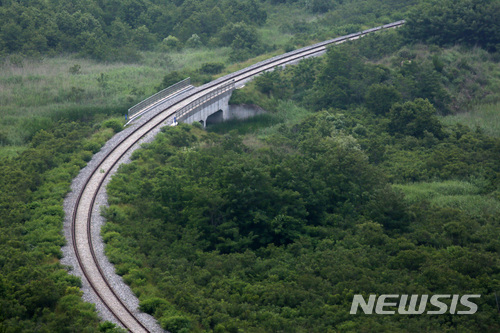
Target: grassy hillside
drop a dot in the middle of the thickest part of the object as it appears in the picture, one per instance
(38, 92)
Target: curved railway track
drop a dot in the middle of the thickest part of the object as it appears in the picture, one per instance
(81, 235)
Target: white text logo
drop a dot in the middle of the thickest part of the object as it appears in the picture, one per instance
(414, 304)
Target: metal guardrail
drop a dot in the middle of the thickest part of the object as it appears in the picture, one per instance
(158, 96)
(195, 104)
(199, 103)
(298, 51)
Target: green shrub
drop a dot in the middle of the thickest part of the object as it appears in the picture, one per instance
(115, 124)
(381, 97)
(92, 146)
(212, 68)
(154, 304)
(4, 138)
(176, 324)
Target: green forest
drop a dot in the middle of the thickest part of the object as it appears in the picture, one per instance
(375, 170)
(118, 30)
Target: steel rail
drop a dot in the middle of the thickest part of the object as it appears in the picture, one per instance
(147, 128)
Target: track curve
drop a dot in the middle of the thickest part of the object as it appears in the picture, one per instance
(81, 219)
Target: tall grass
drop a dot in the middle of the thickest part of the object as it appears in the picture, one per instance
(485, 116)
(474, 205)
(11, 151)
(49, 82)
(462, 195)
(36, 92)
(428, 191)
(186, 59)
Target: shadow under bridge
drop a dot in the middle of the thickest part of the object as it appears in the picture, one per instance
(212, 108)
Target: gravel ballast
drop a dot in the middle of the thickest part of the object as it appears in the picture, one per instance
(69, 257)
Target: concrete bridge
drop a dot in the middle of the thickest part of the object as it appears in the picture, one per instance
(212, 106)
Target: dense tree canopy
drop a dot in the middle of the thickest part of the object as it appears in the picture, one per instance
(36, 291)
(449, 22)
(415, 119)
(280, 235)
(98, 28)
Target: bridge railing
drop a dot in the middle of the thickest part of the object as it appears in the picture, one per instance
(199, 103)
(182, 113)
(158, 96)
(297, 51)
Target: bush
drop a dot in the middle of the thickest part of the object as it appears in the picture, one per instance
(172, 43)
(197, 125)
(152, 305)
(4, 138)
(415, 119)
(91, 145)
(380, 98)
(194, 41)
(115, 124)
(212, 68)
(321, 6)
(171, 78)
(176, 324)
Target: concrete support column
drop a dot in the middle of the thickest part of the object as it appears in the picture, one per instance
(211, 108)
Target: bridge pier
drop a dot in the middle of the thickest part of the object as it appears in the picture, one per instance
(213, 111)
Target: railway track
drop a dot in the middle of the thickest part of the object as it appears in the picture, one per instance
(81, 220)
